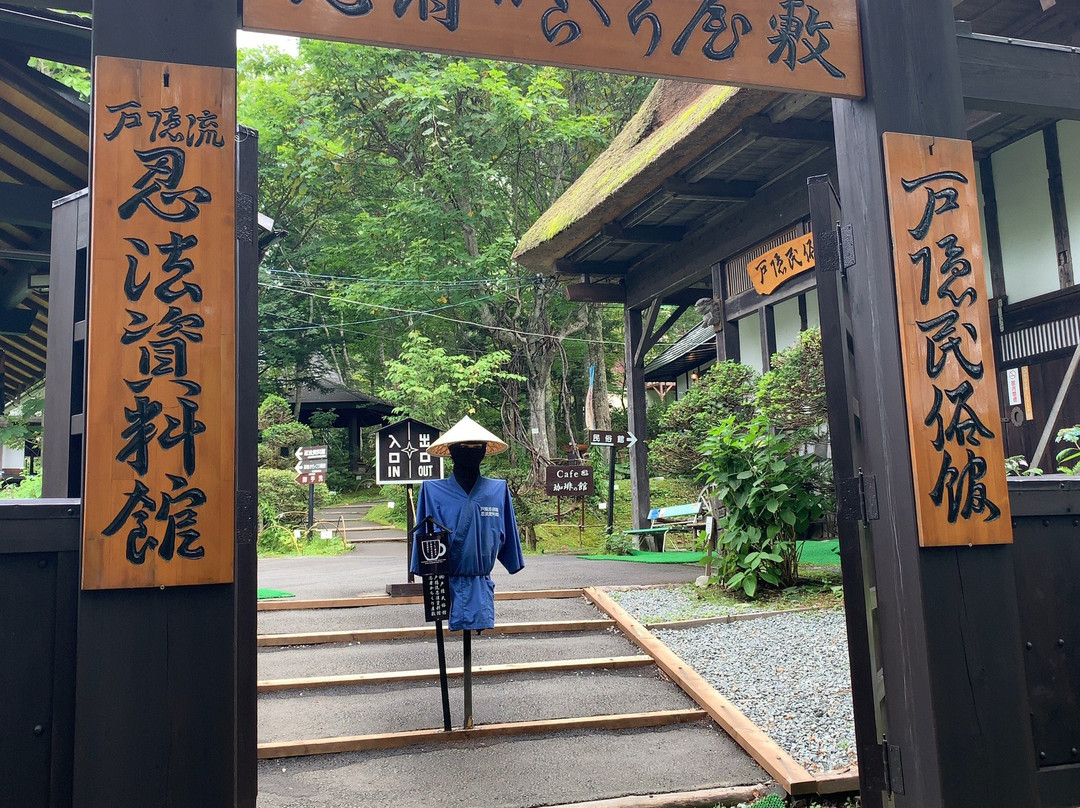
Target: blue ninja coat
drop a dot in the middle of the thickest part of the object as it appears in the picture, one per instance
(483, 529)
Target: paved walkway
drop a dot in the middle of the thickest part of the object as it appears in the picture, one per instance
(512, 772)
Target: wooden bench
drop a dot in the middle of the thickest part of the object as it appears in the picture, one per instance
(688, 518)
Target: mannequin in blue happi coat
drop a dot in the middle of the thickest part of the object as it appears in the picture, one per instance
(480, 514)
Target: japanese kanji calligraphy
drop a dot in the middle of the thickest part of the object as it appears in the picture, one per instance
(780, 264)
(803, 45)
(160, 413)
(954, 417)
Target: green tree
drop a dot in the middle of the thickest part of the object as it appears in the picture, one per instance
(438, 388)
(792, 393)
(726, 389)
(404, 181)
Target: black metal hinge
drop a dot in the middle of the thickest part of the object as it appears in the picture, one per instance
(856, 499)
(893, 765)
(845, 234)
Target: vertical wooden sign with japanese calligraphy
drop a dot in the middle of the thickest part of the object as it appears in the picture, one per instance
(954, 416)
(158, 503)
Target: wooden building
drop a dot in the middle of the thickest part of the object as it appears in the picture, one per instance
(705, 182)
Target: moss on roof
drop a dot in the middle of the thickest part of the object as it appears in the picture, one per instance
(659, 136)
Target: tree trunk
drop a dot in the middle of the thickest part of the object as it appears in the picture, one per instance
(594, 331)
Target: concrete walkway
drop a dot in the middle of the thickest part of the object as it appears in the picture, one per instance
(512, 772)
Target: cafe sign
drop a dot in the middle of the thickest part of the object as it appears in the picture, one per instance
(158, 507)
(789, 45)
(951, 387)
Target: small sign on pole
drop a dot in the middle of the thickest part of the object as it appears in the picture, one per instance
(607, 437)
(401, 453)
(432, 543)
(569, 481)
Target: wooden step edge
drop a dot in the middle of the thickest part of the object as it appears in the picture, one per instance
(397, 740)
(732, 618)
(792, 777)
(387, 600)
(424, 632)
(349, 680)
(701, 798)
(839, 782)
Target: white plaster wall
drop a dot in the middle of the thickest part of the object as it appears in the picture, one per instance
(982, 227)
(750, 341)
(786, 320)
(1069, 145)
(1027, 232)
(813, 316)
(11, 459)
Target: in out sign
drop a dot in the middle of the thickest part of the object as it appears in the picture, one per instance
(401, 453)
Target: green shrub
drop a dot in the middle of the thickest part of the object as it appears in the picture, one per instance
(725, 389)
(285, 500)
(1068, 459)
(29, 488)
(618, 544)
(771, 496)
(792, 394)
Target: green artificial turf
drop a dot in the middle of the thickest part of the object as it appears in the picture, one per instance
(641, 556)
(820, 553)
(268, 594)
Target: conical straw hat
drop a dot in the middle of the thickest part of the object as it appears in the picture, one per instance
(466, 431)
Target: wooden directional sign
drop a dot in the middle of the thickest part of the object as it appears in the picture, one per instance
(954, 416)
(401, 454)
(780, 264)
(569, 481)
(802, 45)
(606, 437)
(161, 366)
(312, 459)
(311, 477)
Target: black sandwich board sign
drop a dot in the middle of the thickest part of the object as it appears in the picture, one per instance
(401, 454)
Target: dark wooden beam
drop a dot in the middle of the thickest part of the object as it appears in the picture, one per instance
(643, 235)
(596, 293)
(27, 205)
(710, 190)
(1057, 206)
(725, 235)
(658, 334)
(686, 297)
(565, 266)
(1021, 78)
(811, 131)
(57, 37)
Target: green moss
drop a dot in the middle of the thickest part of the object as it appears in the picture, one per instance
(632, 151)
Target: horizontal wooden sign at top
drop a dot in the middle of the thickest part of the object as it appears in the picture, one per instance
(799, 45)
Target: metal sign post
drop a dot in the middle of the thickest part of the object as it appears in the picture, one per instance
(432, 542)
(613, 440)
(311, 466)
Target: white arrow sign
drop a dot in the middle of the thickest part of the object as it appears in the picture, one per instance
(606, 437)
(312, 459)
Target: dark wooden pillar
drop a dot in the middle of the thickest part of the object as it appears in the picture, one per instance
(247, 480)
(953, 673)
(354, 441)
(156, 679)
(636, 420)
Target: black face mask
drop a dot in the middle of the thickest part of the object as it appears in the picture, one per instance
(468, 455)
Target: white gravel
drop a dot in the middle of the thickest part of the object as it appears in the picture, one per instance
(788, 673)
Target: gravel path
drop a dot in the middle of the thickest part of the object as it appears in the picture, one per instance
(787, 673)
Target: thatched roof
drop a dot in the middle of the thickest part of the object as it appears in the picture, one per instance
(675, 125)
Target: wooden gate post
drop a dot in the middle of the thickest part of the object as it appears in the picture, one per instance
(156, 690)
(957, 730)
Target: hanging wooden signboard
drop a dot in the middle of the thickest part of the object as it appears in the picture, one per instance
(803, 45)
(954, 416)
(160, 413)
(780, 264)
